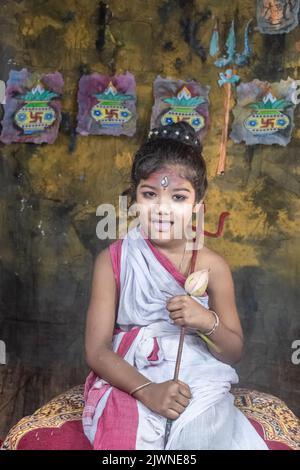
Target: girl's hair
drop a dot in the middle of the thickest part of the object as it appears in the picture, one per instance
(173, 144)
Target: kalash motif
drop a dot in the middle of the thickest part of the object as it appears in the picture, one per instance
(183, 109)
(37, 114)
(267, 117)
(110, 111)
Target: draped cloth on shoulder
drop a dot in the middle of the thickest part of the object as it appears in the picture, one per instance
(146, 339)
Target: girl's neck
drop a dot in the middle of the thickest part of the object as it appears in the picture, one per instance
(175, 251)
(173, 247)
(177, 255)
(181, 261)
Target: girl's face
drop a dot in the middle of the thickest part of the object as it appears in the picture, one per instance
(165, 201)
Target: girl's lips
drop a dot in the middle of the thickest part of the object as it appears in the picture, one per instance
(160, 221)
(162, 226)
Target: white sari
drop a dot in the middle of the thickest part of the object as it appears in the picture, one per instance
(210, 421)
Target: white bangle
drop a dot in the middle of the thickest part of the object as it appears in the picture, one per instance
(217, 321)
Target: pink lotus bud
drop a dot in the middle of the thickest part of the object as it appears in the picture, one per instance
(197, 282)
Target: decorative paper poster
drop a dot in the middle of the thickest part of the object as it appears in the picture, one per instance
(176, 100)
(107, 105)
(264, 113)
(32, 112)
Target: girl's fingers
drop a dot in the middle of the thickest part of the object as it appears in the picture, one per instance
(184, 389)
(174, 317)
(177, 317)
(173, 414)
(172, 308)
(183, 400)
(174, 301)
(177, 407)
(186, 393)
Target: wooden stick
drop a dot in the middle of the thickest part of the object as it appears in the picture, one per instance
(176, 374)
(224, 138)
(179, 353)
(180, 346)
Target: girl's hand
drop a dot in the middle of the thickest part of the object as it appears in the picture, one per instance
(169, 399)
(186, 311)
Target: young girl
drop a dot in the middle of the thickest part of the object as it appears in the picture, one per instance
(138, 306)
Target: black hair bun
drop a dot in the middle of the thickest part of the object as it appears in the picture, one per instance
(181, 131)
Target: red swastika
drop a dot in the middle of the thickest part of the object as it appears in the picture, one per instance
(111, 113)
(36, 116)
(267, 122)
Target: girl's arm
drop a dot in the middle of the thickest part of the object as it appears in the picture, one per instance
(100, 325)
(228, 336)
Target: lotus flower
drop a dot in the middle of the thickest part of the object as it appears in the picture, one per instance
(197, 282)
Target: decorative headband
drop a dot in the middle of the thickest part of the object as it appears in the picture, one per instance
(181, 135)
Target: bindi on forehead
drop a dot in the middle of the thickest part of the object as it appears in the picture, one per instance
(165, 178)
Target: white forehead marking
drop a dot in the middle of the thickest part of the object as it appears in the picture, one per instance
(164, 182)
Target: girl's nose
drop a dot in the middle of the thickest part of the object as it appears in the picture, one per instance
(163, 208)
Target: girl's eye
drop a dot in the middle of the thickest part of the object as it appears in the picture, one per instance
(148, 194)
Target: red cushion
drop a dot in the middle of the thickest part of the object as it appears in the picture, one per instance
(272, 445)
(58, 425)
(69, 436)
